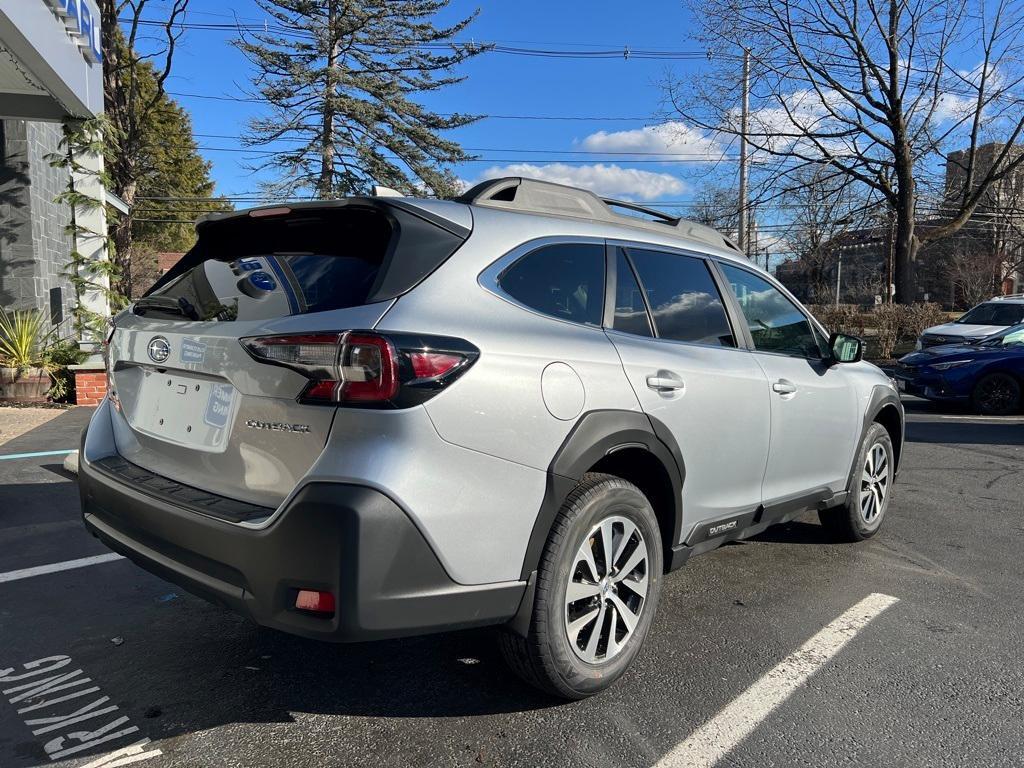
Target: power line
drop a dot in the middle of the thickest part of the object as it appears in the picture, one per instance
(254, 100)
(625, 52)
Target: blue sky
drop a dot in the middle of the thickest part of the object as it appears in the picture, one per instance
(496, 84)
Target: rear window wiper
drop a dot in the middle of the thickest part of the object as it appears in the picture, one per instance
(180, 306)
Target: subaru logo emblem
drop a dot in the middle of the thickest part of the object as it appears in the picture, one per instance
(159, 349)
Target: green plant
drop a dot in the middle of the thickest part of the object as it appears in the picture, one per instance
(58, 391)
(24, 339)
(65, 352)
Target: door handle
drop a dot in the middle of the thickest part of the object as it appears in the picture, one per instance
(664, 383)
(784, 387)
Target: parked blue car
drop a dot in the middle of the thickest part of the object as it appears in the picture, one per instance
(988, 374)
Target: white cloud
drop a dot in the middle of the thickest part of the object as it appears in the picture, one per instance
(674, 139)
(607, 180)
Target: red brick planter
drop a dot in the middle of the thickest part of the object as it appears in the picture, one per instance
(90, 384)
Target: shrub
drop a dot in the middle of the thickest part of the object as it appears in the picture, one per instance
(889, 320)
(24, 339)
(844, 318)
(921, 316)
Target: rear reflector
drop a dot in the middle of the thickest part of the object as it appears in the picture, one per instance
(428, 365)
(315, 601)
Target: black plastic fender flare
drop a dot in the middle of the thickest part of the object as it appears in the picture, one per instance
(595, 435)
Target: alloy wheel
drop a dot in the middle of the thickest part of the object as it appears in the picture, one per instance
(874, 483)
(607, 589)
(996, 394)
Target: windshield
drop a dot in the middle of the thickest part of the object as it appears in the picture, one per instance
(994, 313)
(1011, 337)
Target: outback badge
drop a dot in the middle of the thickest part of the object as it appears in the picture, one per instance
(277, 426)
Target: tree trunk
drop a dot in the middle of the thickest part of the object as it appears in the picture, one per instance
(122, 237)
(325, 187)
(906, 242)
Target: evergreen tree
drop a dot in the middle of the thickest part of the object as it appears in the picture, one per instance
(173, 190)
(153, 163)
(341, 77)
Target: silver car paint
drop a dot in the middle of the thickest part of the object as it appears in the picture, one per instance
(469, 466)
(498, 408)
(257, 466)
(815, 427)
(719, 418)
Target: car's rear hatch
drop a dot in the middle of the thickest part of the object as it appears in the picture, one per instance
(192, 404)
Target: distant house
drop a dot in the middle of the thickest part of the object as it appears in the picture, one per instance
(164, 261)
(989, 249)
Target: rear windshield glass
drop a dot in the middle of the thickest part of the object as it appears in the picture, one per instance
(308, 260)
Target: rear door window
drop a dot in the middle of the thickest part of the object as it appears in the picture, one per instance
(563, 280)
(683, 297)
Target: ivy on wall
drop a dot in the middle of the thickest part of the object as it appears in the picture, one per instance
(86, 274)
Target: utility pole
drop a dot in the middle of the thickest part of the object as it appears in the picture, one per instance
(839, 275)
(744, 235)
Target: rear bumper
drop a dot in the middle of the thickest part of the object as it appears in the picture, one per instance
(350, 540)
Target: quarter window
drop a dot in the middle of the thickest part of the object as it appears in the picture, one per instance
(630, 311)
(564, 281)
(775, 323)
(684, 300)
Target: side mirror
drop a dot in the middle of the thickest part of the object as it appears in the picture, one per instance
(846, 349)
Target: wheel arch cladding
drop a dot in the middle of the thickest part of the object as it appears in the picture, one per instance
(889, 417)
(621, 443)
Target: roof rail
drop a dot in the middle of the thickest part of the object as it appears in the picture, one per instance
(534, 196)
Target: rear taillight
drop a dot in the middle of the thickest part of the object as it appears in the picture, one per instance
(364, 368)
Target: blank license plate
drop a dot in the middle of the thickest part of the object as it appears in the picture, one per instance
(185, 409)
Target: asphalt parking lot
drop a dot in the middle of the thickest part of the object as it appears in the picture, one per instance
(935, 679)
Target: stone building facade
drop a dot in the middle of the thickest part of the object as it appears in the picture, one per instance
(35, 246)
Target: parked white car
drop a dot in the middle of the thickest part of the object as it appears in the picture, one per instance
(992, 316)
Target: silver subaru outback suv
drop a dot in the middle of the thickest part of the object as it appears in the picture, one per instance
(385, 416)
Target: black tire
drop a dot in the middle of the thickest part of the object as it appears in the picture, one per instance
(849, 521)
(545, 658)
(997, 394)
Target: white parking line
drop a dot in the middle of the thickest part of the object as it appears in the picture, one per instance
(67, 565)
(717, 737)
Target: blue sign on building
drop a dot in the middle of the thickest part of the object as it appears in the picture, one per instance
(82, 20)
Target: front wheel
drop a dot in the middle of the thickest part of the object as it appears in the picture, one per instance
(869, 493)
(596, 592)
(996, 394)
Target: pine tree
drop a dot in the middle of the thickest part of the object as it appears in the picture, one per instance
(174, 189)
(341, 77)
(149, 151)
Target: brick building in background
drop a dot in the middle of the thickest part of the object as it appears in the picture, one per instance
(983, 258)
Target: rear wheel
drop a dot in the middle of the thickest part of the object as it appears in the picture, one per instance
(867, 501)
(996, 394)
(596, 592)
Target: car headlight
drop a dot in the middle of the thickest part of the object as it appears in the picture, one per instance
(950, 364)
